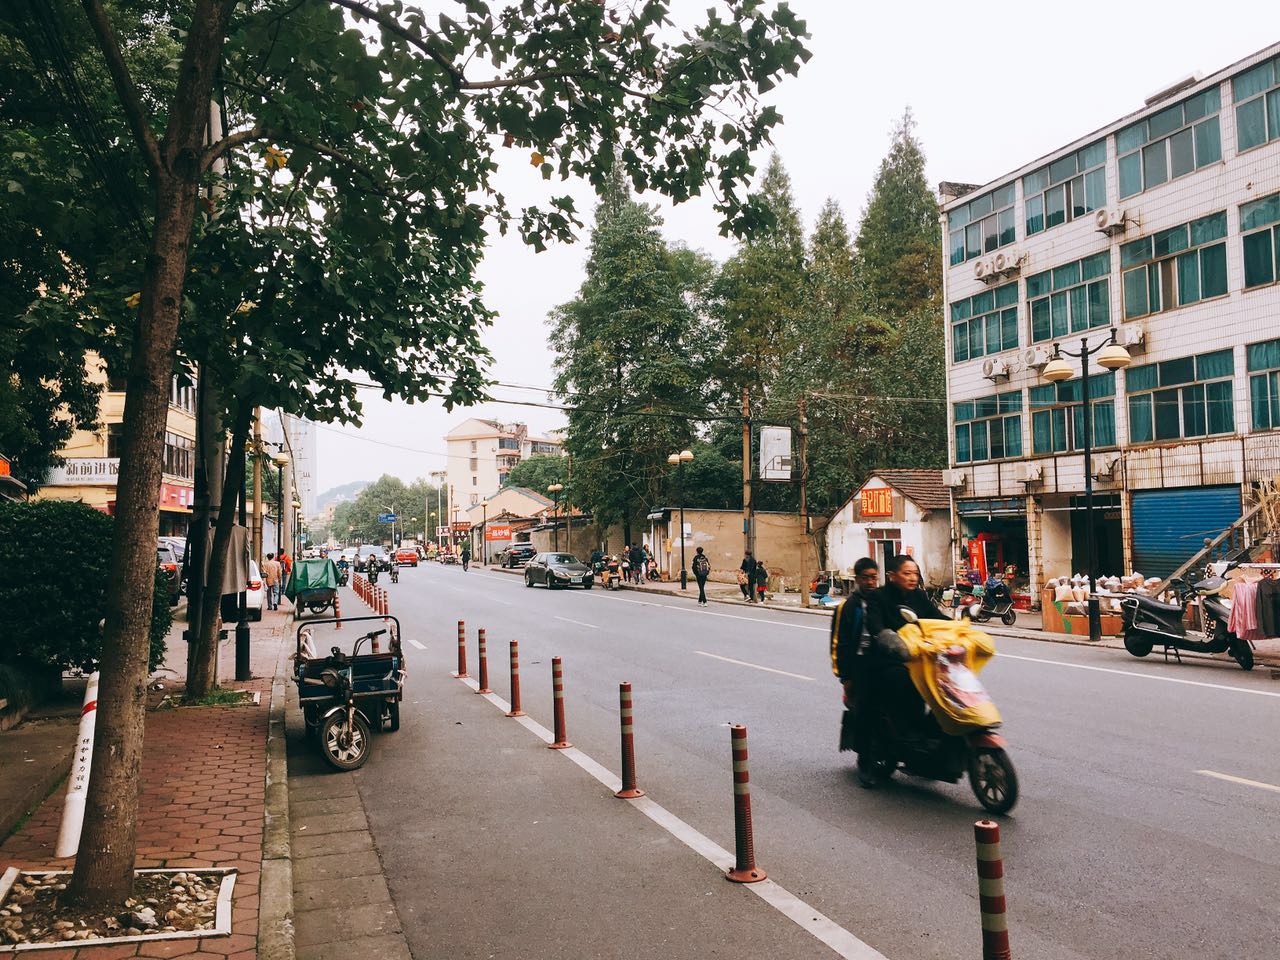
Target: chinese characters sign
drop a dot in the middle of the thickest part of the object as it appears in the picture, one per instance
(877, 502)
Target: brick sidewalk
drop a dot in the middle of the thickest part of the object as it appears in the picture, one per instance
(201, 805)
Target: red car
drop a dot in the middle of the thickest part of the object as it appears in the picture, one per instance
(407, 555)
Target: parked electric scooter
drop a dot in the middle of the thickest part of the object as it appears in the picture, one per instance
(612, 573)
(997, 601)
(1148, 623)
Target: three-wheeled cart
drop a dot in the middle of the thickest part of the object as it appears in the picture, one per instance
(313, 586)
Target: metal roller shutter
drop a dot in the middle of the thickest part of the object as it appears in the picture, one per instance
(1170, 526)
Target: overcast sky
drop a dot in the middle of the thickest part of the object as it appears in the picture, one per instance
(992, 86)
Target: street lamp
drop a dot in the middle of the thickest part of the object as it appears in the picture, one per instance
(296, 547)
(678, 460)
(281, 460)
(554, 489)
(1111, 356)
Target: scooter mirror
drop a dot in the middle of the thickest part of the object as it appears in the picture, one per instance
(908, 615)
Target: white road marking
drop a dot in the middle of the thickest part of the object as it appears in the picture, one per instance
(754, 666)
(578, 622)
(708, 613)
(505, 603)
(1240, 780)
(823, 928)
(1142, 676)
(420, 646)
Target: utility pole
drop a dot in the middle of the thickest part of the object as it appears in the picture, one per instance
(802, 445)
(256, 550)
(748, 533)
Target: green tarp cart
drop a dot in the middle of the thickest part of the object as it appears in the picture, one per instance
(313, 585)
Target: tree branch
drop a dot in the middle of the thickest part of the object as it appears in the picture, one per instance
(230, 142)
(134, 113)
(394, 26)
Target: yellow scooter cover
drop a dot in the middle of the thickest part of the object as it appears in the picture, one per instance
(946, 656)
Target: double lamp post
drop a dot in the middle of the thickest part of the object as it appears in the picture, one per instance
(678, 460)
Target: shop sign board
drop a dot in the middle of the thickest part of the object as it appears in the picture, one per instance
(498, 531)
(77, 471)
(877, 502)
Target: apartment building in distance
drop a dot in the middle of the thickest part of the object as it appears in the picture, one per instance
(92, 458)
(1162, 229)
(481, 454)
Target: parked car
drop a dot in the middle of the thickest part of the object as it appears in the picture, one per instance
(372, 553)
(171, 566)
(557, 570)
(256, 594)
(407, 555)
(516, 555)
(178, 544)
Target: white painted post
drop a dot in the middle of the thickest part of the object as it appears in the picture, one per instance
(78, 788)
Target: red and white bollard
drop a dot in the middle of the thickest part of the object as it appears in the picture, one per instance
(484, 665)
(995, 925)
(745, 869)
(78, 780)
(462, 650)
(629, 789)
(337, 610)
(557, 703)
(515, 710)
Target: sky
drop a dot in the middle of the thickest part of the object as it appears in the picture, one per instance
(991, 87)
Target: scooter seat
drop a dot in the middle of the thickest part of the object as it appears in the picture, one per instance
(1146, 603)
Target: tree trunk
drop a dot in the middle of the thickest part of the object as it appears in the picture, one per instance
(104, 864)
(205, 674)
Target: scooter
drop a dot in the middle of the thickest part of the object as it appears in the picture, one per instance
(373, 571)
(943, 659)
(344, 574)
(1148, 623)
(997, 601)
(612, 573)
(395, 574)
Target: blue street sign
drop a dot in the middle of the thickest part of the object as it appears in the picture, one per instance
(387, 518)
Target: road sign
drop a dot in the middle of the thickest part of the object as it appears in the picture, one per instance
(387, 518)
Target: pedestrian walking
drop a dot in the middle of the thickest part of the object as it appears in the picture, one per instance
(637, 563)
(271, 571)
(701, 570)
(746, 576)
(761, 580)
(466, 557)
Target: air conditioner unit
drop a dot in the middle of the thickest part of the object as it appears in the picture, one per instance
(993, 368)
(1035, 357)
(1104, 466)
(1028, 472)
(954, 478)
(982, 269)
(1008, 263)
(1110, 220)
(1131, 335)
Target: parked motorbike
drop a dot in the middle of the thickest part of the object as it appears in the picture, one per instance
(997, 601)
(1148, 623)
(612, 574)
(943, 659)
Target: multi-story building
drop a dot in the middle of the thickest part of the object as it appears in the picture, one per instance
(481, 455)
(92, 458)
(1162, 229)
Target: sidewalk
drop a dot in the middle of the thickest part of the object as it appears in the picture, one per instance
(201, 802)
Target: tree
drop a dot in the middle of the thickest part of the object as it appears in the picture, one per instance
(398, 117)
(539, 472)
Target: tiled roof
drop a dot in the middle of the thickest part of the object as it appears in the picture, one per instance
(924, 488)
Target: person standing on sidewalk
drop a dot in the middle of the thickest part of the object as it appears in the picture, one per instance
(637, 563)
(701, 570)
(271, 571)
(746, 577)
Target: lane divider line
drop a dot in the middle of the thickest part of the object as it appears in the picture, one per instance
(753, 666)
(578, 622)
(420, 646)
(816, 924)
(1240, 780)
(1141, 676)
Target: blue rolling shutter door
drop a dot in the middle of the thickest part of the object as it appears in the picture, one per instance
(1169, 526)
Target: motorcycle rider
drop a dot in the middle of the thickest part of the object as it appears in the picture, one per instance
(887, 678)
(851, 627)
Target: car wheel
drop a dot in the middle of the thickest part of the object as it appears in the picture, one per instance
(528, 580)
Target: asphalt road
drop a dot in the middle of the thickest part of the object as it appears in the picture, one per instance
(1146, 826)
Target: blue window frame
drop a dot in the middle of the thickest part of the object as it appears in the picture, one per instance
(1070, 187)
(985, 323)
(1263, 361)
(1057, 415)
(983, 224)
(1260, 236)
(989, 428)
(1068, 299)
(1170, 144)
(1180, 399)
(1184, 264)
(1257, 98)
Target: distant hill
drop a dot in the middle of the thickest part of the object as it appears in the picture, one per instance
(348, 491)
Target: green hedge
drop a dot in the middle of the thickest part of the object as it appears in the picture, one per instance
(55, 560)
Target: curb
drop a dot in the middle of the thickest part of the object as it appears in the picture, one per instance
(275, 917)
(37, 793)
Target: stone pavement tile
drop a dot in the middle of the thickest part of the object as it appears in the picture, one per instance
(341, 924)
(350, 892)
(117, 952)
(366, 948)
(168, 948)
(323, 788)
(335, 865)
(328, 823)
(306, 808)
(352, 841)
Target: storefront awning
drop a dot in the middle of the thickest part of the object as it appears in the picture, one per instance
(1001, 507)
(664, 514)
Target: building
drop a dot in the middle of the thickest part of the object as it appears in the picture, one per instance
(894, 512)
(1162, 228)
(300, 446)
(11, 488)
(481, 454)
(92, 458)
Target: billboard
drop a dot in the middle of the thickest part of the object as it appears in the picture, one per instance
(876, 502)
(498, 531)
(775, 453)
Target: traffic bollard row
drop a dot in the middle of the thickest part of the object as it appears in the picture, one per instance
(995, 925)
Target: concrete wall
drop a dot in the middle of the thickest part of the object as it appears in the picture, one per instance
(780, 543)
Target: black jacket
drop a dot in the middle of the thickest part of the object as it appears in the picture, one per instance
(636, 556)
(884, 603)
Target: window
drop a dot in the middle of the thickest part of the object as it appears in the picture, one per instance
(115, 436)
(1183, 398)
(1260, 227)
(1264, 384)
(1175, 267)
(1057, 415)
(989, 428)
(985, 323)
(475, 481)
(1170, 144)
(475, 464)
(1257, 96)
(1068, 299)
(179, 456)
(548, 448)
(182, 395)
(473, 446)
(508, 443)
(982, 225)
(502, 480)
(475, 498)
(1068, 188)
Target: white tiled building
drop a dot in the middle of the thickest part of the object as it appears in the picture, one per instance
(482, 453)
(1163, 227)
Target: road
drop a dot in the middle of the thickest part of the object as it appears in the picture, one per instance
(1146, 825)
